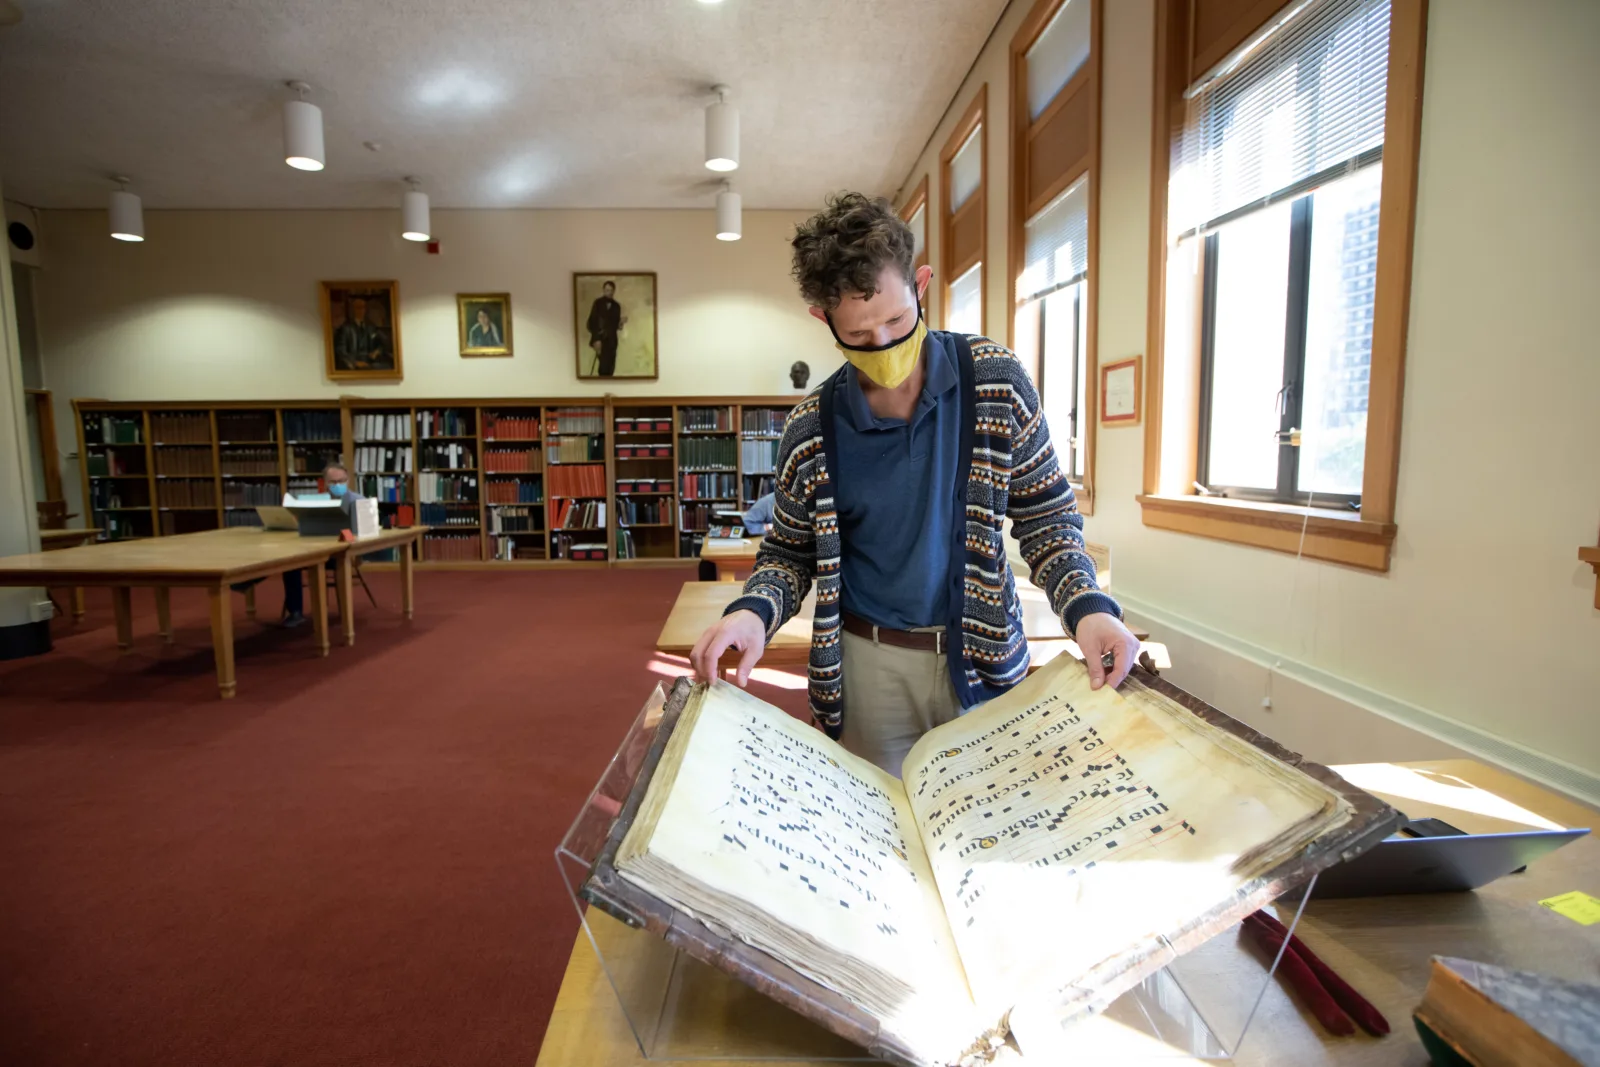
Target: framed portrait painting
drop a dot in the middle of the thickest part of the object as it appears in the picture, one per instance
(484, 321)
(361, 330)
(614, 316)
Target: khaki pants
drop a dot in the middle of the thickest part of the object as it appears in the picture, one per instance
(892, 697)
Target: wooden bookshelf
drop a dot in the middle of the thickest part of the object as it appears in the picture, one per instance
(153, 469)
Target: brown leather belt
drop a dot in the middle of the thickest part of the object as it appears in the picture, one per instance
(921, 640)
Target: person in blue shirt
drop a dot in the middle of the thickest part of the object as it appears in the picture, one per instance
(337, 479)
(894, 480)
(759, 517)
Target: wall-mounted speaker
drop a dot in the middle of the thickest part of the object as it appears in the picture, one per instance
(22, 233)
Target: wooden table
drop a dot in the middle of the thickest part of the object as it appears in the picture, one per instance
(1381, 945)
(701, 604)
(55, 540)
(728, 557)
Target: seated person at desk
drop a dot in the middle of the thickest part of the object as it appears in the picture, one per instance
(758, 520)
(337, 479)
(922, 445)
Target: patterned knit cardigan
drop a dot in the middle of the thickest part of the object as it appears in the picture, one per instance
(1009, 467)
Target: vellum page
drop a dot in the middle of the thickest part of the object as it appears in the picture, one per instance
(1066, 826)
(777, 836)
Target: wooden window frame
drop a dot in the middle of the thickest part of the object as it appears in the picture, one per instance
(1023, 132)
(974, 118)
(908, 211)
(1364, 539)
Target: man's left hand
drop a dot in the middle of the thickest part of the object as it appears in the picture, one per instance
(1099, 634)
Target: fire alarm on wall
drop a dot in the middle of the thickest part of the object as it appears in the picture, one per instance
(433, 248)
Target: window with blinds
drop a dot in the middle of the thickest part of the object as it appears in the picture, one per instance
(1059, 53)
(1278, 175)
(966, 170)
(919, 233)
(1296, 107)
(966, 303)
(1056, 243)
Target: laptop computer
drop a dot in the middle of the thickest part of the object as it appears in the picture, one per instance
(1448, 863)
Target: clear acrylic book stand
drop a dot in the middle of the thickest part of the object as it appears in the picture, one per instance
(682, 1009)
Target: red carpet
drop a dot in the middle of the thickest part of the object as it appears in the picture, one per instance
(348, 864)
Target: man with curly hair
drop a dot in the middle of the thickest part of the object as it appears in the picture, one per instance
(894, 479)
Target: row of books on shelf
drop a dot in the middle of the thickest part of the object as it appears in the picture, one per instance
(445, 422)
(253, 494)
(766, 421)
(513, 460)
(453, 456)
(643, 423)
(241, 517)
(394, 459)
(188, 493)
(312, 426)
(374, 426)
(449, 488)
(108, 464)
(241, 426)
(706, 452)
(576, 420)
(514, 491)
(662, 450)
(435, 514)
(449, 547)
(583, 480)
(510, 427)
(185, 428)
(566, 546)
(249, 461)
(384, 488)
(189, 461)
(637, 511)
(123, 527)
(698, 516)
(708, 486)
(515, 548)
(707, 419)
(758, 457)
(516, 518)
(183, 522)
(113, 430)
(119, 495)
(311, 459)
(644, 485)
(757, 486)
(625, 545)
(579, 515)
(577, 449)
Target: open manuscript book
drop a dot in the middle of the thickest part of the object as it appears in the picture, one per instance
(1041, 854)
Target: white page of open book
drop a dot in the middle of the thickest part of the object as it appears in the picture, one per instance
(768, 809)
(1065, 825)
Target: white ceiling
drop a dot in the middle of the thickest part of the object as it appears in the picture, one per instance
(492, 103)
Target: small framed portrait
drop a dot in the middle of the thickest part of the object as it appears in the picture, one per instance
(615, 318)
(485, 323)
(1121, 386)
(361, 330)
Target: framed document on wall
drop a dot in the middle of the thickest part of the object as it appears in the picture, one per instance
(1121, 389)
(361, 331)
(615, 323)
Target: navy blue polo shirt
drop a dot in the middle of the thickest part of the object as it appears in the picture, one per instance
(895, 492)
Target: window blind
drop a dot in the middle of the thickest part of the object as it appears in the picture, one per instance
(966, 303)
(1056, 243)
(966, 169)
(919, 231)
(1301, 105)
(1057, 54)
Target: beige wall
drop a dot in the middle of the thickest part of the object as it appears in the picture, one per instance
(1483, 634)
(223, 304)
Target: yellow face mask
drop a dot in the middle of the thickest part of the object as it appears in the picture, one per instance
(890, 364)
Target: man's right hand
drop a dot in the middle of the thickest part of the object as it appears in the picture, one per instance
(742, 630)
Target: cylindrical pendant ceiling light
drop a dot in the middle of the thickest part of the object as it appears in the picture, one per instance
(127, 213)
(722, 133)
(302, 131)
(728, 214)
(415, 223)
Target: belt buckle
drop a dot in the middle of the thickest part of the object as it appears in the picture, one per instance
(938, 642)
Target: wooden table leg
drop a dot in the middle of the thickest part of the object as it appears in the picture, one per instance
(222, 638)
(405, 578)
(77, 603)
(319, 604)
(347, 602)
(250, 601)
(122, 606)
(164, 614)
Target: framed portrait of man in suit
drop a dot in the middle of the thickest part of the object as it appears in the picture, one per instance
(615, 325)
(361, 331)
